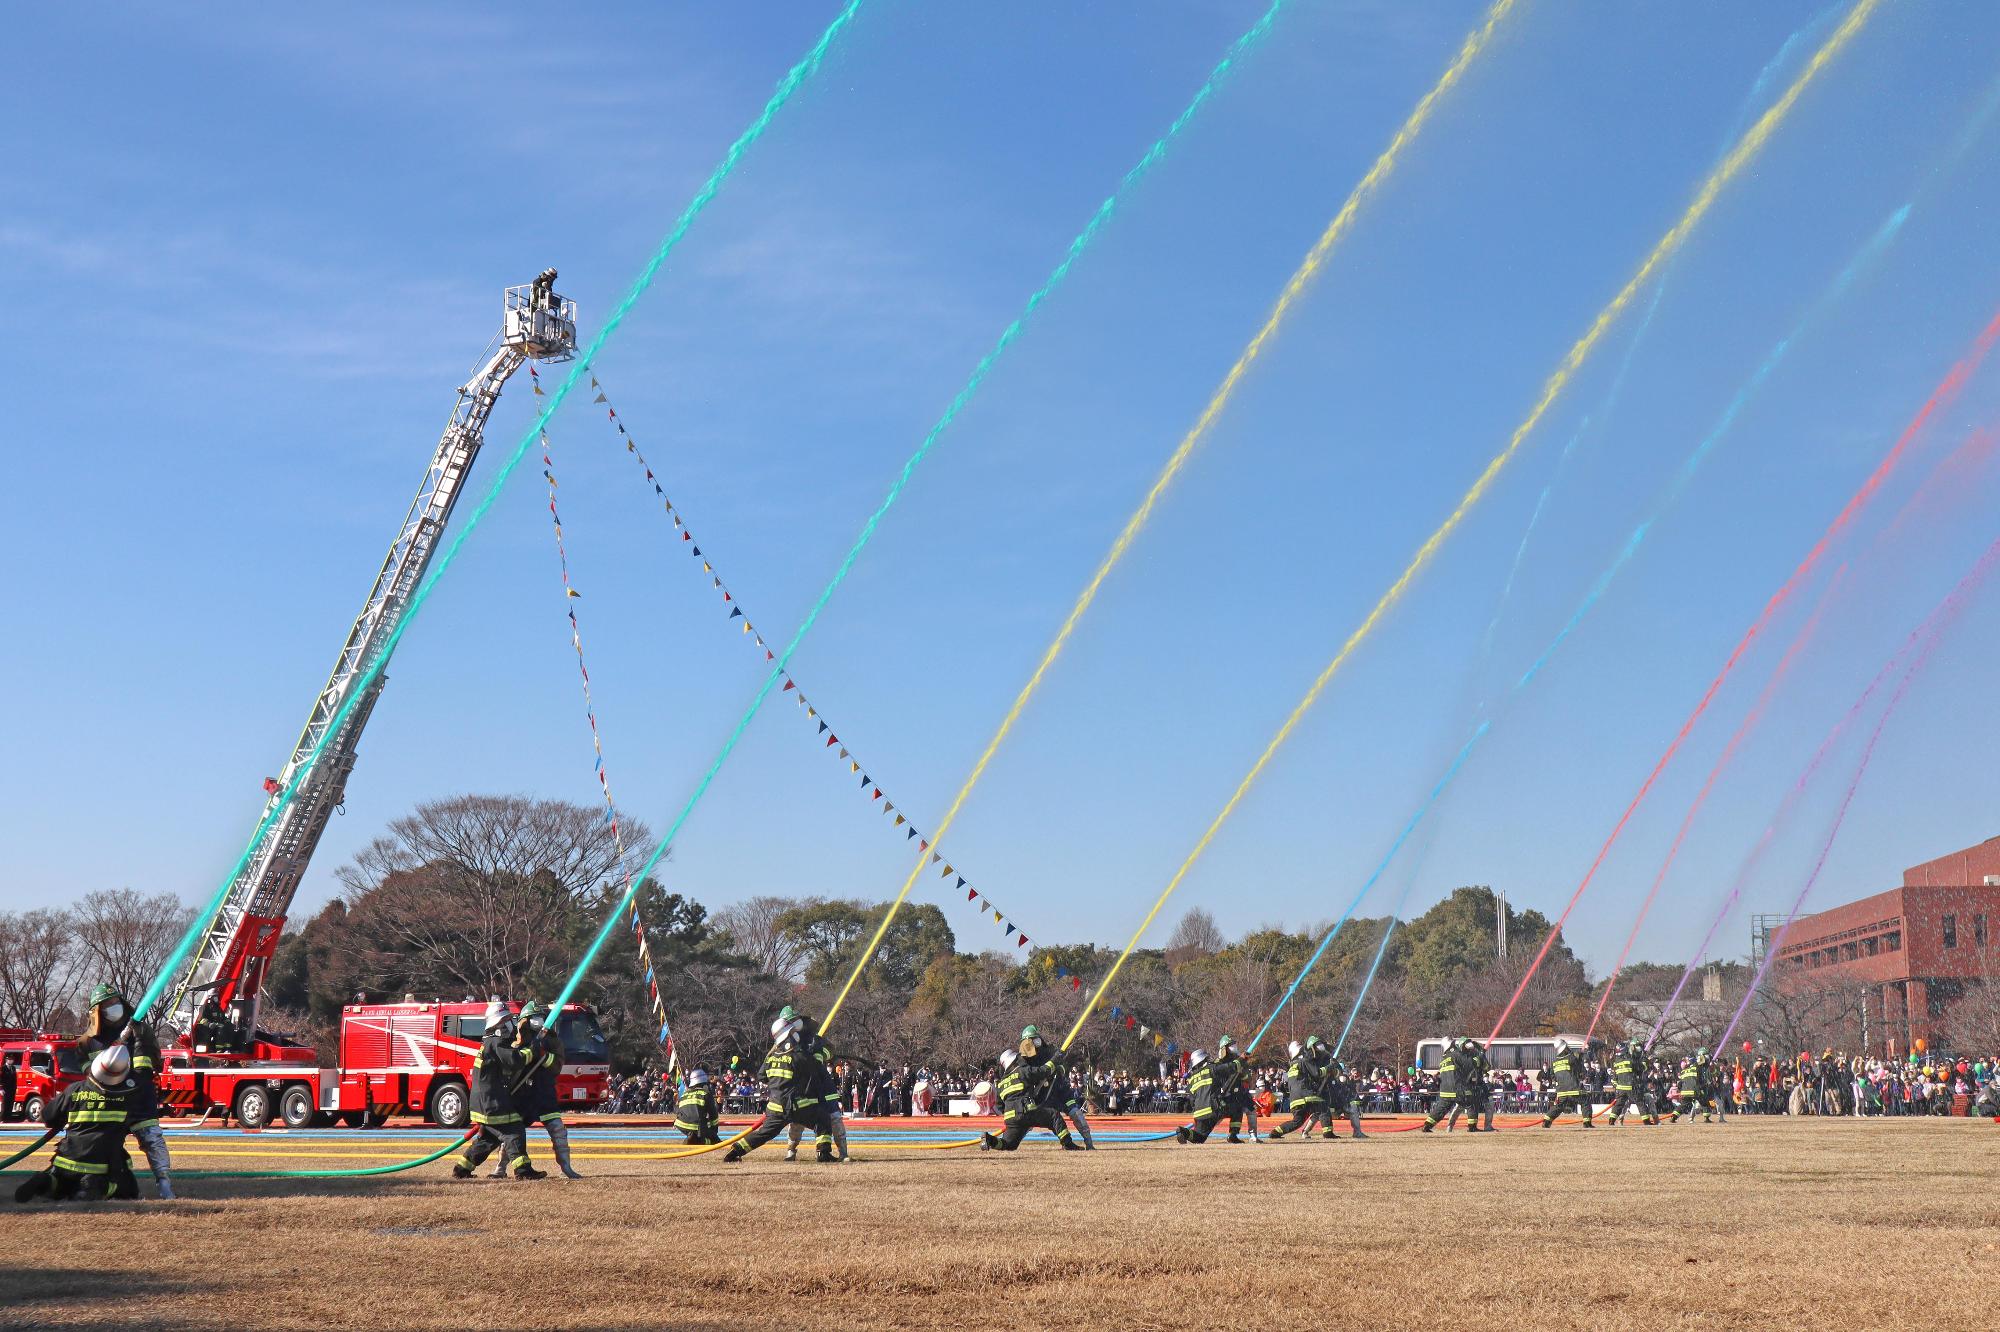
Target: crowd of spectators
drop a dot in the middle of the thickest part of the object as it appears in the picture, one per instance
(1827, 1084)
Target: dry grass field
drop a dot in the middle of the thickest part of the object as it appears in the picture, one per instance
(1762, 1223)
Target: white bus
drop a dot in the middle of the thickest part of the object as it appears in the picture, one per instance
(1507, 1054)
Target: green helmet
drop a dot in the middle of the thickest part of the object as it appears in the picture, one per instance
(1224, 1043)
(1468, 1045)
(534, 1011)
(1701, 1055)
(786, 1014)
(1031, 1032)
(104, 994)
(1314, 1042)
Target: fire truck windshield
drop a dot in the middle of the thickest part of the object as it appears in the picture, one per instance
(582, 1039)
(67, 1061)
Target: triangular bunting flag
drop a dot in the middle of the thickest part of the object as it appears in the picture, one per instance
(971, 893)
(1022, 942)
(788, 685)
(735, 612)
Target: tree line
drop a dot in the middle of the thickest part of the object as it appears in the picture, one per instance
(479, 895)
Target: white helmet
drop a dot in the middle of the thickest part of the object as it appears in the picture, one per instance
(784, 1028)
(698, 1077)
(112, 1066)
(1294, 1048)
(1197, 1059)
(498, 1015)
(1562, 1047)
(1008, 1058)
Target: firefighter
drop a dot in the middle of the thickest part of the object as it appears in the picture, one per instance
(1475, 1091)
(1305, 1081)
(537, 1091)
(94, 1115)
(1341, 1097)
(1232, 1089)
(1447, 1093)
(1568, 1069)
(791, 1093)
(1208, 1105)
(1628, 1085)
(497, 1070)
(1062, 1092)
(697, 1115)
(827, 1088)
(1027, 1081)
(1698, 1087)
(111, 1024)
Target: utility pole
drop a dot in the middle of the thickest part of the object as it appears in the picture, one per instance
(1500, 923)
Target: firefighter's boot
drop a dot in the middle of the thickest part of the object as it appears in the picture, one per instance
(559, 1143)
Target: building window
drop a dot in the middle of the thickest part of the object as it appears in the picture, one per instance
(1979, 929)
(1893, 941)
(1873, 945)
(1951, 931)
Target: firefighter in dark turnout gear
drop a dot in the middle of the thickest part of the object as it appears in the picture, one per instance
(1305, 1081)
(94, 1115)
(110, 1024)
(1341, 1099)
(1447, 1093)
(1568, 1070)
(1628, 1085)
(826, 1087)
(1232, 1089)
(791, 1093)
(497, 1070)
(1698, 1087)
(1208, 1104)
(699, 1115)
(1475, 1092)
(1063, 1095)
(1027, 1089)
(538, 1094)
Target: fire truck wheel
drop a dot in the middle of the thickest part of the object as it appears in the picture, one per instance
(253, 1105)
(32, 1108)
(449, 1108)
(295, 1107)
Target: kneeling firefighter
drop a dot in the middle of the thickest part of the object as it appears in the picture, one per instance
(537, 1093)
(496, 1071)
(1027, 1077)
(698, 1115)
(1208, 1105)
(1232, 1089)
(110, 1024)
(791, 1093)
(94, 1115)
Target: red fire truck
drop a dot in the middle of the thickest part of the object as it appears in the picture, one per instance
(407, 1056)
(44, 1063)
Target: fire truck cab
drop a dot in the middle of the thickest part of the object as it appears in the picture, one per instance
(419, 1056)
(45, 1062)
(393, 1057)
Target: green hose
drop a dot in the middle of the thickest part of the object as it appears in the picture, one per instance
(29, 1150)
(355, 1173)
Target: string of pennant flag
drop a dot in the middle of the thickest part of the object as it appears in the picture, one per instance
(869, 787)
(570, 598)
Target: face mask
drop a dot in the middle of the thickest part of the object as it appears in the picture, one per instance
(114, 1012)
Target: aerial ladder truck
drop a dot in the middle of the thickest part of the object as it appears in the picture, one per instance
(211, 1009)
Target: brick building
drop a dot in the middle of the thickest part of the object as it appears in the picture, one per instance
(1913, 950)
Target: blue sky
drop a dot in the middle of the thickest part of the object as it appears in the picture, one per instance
(256, 254)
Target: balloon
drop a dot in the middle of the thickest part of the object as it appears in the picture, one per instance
(1920, 1044)
(1746, 1047)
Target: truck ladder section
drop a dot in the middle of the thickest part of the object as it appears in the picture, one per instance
(226, 967)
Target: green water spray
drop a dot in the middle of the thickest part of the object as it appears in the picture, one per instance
(788, 86)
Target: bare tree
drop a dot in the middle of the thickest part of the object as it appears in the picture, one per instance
(754, 931)
(1973, 1019)
(126, 937)
(38, 967)
(1197, 935)
(489, 839)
